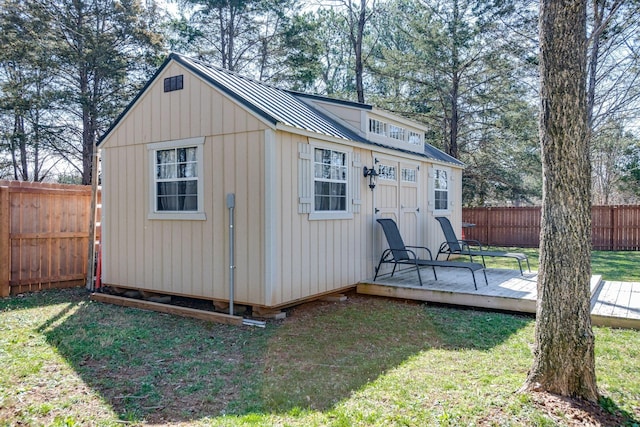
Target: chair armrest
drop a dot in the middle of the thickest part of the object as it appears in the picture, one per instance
(469, 243)
(423, 248)
(444, 248)
(389, 251)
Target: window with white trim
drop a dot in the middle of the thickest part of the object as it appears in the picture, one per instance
(440, 189)
(176, 179)
(330, 180)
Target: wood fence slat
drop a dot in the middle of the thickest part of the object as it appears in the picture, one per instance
(614, 227)
(5, 242)
(44, 233)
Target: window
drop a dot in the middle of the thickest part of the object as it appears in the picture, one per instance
(377, 127)
(174, 83)
(330, 180)
(441, 189)
(176, 179)
(409, 175)
(387, 173)
(415, 138)
(396, 132)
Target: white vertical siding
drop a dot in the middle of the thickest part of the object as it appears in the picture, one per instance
(281, 255)
(178, 256)
(316, 256)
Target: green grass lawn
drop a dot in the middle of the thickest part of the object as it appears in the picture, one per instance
(68, 361)
(621, 266)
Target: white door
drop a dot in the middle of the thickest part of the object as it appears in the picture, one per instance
(398, 197)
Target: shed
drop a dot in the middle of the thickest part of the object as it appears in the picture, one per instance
(304, 215)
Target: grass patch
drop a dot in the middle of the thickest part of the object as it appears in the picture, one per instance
(611, 265)
(67, 361)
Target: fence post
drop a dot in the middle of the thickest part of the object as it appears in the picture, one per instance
(488, 224)
(5, 243)
(614, 240)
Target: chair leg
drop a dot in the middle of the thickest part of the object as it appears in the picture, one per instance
(377, 270)
(475, 285)
(419, 276)
(520, 265)
(486, 282)
(528, 266)
(394, 269)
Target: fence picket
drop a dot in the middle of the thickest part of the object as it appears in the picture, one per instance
(44, 232)
(615, 227)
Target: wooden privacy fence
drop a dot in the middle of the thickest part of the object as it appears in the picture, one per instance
(44, 236)
(613, 228)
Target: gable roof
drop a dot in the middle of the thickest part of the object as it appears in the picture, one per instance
(276, 105)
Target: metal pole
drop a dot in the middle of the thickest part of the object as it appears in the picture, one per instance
(231, 204)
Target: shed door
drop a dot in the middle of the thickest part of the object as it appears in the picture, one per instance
(410, 204)
(398, 197)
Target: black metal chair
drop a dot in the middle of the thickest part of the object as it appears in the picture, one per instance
(399, 253)
(472, 248)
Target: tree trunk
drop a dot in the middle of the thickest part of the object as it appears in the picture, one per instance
(362, 20)
(21, 139)
(454, 124)
(564, 345)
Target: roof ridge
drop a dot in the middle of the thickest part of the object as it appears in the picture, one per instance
(227, 71)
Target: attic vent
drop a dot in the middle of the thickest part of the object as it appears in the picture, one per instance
(174, 83)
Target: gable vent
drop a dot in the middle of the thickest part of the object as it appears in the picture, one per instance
(174, 83)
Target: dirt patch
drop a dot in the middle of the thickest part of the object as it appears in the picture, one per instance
(576, 412)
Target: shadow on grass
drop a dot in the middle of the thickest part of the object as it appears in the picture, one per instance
(612, 407)
(43, 298)
(326, 352)
(161, 368)
(156, 367)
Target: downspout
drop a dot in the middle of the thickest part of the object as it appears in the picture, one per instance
(231, 204)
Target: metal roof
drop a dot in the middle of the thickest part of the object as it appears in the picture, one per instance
(274, 104)
(277, 105)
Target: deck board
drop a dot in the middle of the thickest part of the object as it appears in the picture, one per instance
(615, 304)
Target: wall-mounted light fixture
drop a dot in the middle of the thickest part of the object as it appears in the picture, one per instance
(372, 174)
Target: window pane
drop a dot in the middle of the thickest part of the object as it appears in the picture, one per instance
(190, 170)
(188, 187)
(165, 156)
(441, 179)
(188, 203)
(191, 154)
(167, 203)
(166, 172)
(338, 189)
(167, 188)
(338, 203)
(182, 155)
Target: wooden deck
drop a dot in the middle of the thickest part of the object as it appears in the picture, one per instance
(615, 304)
